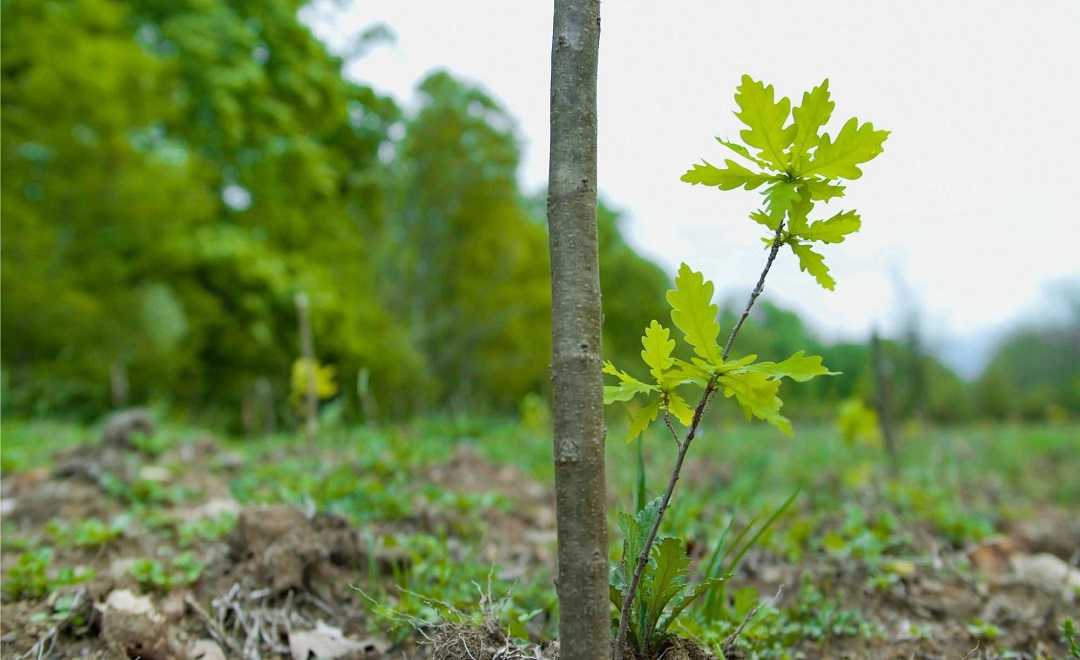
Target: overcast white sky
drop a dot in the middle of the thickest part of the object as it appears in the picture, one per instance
(973, 204)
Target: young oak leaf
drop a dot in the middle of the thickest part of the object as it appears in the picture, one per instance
(799, 210)
(756, 394)
(693, 313)
(684, 372)
(765, 120)
(745, 153)
(821, 190)
(676, 405)
(813, 263)
(854, 145)
(780, 198)
(734, 365)
(835, 229)
(642, 417)
(799, 368)
(763, 218)
(755, 391)
(729, 178)
(657, 346)
(628, 387)
(810, 116)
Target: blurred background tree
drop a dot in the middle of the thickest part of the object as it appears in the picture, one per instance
(174, 172)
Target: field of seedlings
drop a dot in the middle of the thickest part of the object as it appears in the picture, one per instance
(401, 541)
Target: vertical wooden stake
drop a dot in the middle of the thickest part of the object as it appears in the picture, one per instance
(307, 352)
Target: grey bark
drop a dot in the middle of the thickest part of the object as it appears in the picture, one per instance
(307, 351)
(578, 410)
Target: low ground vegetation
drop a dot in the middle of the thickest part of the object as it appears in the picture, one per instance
(424, 539)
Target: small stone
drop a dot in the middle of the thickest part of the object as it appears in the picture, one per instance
(205, 649)
(1047, 573)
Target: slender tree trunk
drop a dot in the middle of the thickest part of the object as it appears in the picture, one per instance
(919, 382)
(578, 415)
(118, 384)
(307, 352)
(264, 397)
(368, 406)
(884, 401)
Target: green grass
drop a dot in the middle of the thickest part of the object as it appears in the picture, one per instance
(960, 485)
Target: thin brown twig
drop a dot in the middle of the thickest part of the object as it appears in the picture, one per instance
(212, 626)
(729, 641)
(671, 427)
(684, 447)
(44, 646)
(758, 289)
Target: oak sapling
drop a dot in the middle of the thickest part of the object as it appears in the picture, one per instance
(798, 165)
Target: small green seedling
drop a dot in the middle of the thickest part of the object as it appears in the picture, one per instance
(151, 444)
(90, 533)
(1070, 637)
(31, 578)
(664, 591)
(983, 630)
(152, 574)
(69, 611)
(798, 165)
(858, 423)
(209, 528)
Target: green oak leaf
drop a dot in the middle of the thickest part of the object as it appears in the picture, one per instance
(835, 229)
(657, 346)
(680, 408)
(800, 208)
(728, 178)
(765, 120)
(813, 263)
(642, 417)
(821, 190)
(628, 387)
(810, 116)
(799, 367)
(756, 394)
(763, 218)
(780, 197)
(854, 145)
(753, 390)
(732, 365)
(693, 313)
(684, 372)
(745, 153)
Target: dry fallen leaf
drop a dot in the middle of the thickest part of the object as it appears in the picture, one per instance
(328, 642)
(205, 649)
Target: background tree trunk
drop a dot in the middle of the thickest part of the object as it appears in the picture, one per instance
(307, 351)
(883, 400)
(578, 410)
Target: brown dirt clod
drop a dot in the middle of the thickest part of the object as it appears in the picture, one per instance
(133, 628)
(281, 547)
